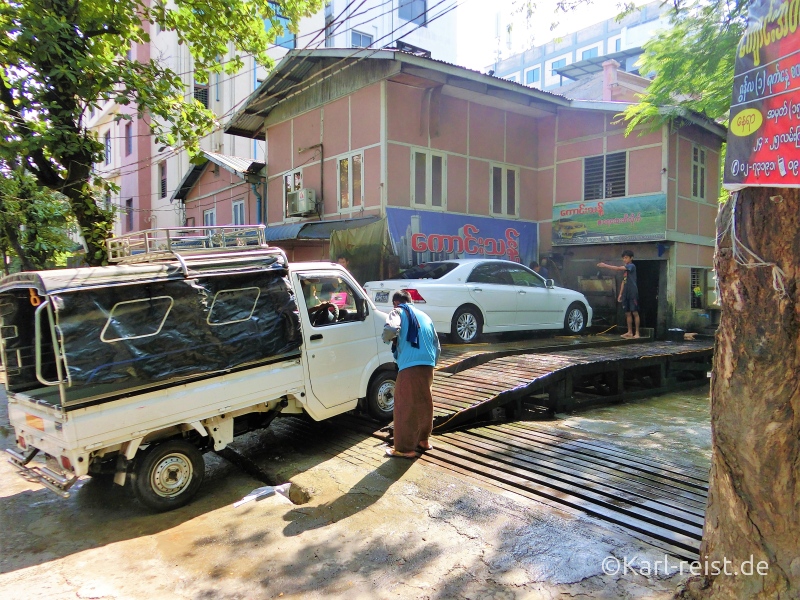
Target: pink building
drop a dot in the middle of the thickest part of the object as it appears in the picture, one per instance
(457, 163)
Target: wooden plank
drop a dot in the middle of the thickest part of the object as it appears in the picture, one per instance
(596, 488)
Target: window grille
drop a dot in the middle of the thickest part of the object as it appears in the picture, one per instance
(604, 176)
(201, 93)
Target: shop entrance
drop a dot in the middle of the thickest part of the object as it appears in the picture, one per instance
(651, 282)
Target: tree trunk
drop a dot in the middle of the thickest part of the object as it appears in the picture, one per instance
(753, 511)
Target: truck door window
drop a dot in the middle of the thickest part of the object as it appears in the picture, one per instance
(233, 306)
(134, 319)
(331, 299)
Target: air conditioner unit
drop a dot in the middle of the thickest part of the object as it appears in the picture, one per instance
(301, 202)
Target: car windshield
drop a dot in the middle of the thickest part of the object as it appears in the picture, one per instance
(433, 270)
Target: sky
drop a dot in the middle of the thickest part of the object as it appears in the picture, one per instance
(477, 26)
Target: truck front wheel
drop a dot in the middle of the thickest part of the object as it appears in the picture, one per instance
(167, 475)
(380, 396)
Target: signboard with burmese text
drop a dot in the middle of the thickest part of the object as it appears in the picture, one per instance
(420, 236)
(764, 130)
(612, 221)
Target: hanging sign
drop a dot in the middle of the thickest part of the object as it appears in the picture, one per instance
(764, 129)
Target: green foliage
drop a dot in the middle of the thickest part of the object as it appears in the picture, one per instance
(35, 223)
(59, 59)
(693, 63)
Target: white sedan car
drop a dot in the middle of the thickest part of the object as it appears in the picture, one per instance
(467, 297)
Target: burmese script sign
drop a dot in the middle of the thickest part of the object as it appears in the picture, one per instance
(763, 148)
(621, 220)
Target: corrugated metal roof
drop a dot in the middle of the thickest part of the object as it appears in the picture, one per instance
(240, 167)
(300, 69)
(314, 230)
(590, 66)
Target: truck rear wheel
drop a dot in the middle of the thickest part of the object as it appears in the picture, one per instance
(380, 396)
(167, 475)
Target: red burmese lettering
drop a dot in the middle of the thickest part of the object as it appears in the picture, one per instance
(418, 242)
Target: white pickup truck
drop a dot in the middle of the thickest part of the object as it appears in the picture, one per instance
(191, 338)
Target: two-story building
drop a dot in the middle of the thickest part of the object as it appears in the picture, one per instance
(451, 162)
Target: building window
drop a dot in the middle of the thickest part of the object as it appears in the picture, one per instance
(162, 177)
(590, 53)
(504, 192)
(428, 179)
(513, 77)
(107, 143)
(604, 176)
(330, 27)
(210, 217)
(128, 138)
(532, 76)
(414, 11)
(201, 93)
(618, 45)
(218, 84)
(292, 182)
(285, 39)
(557, 64)
(129, 52)
(107, 200)
(698, 288)
(698, 173)
(129, 214)
(351, 176)
(360, 40)
(238, 212)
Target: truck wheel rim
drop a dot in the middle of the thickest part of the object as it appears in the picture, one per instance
(575, 320)
(385, 396)
(172, 475)
(466, 326)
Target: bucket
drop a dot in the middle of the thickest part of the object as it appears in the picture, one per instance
(675, 335)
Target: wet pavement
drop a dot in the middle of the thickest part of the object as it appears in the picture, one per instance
(372, 527)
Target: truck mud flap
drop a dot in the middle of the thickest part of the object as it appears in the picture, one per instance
(40, 474)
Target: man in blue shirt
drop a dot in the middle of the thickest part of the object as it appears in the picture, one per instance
(416, 349)
(628, 293)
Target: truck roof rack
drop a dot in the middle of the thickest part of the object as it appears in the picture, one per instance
(175, 243)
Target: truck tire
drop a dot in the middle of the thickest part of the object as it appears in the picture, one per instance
(466, 326)
(167, 475)
(380, 396)
(575, 319)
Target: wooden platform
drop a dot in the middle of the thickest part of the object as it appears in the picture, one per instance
(564, 379)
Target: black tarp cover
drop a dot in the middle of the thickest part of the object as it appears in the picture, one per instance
(160, 330)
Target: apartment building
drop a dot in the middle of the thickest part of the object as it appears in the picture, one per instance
(150, 177)
(565, 59)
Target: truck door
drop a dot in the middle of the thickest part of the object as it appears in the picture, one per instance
(338, 334)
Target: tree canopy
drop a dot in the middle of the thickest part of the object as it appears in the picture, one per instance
(35, 222)
(692, 61)
(59, 59)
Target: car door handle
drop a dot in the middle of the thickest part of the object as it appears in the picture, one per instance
(477, 289)
(316, 336)
(521, 292)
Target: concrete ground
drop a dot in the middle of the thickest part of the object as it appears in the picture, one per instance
(372, 527)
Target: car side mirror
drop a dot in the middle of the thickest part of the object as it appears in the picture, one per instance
(550, 283)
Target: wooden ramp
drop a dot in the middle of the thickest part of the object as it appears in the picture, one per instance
(564, 379)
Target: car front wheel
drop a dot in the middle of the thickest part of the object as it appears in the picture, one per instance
(467, 325)
(575, 320)
(380, 396)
